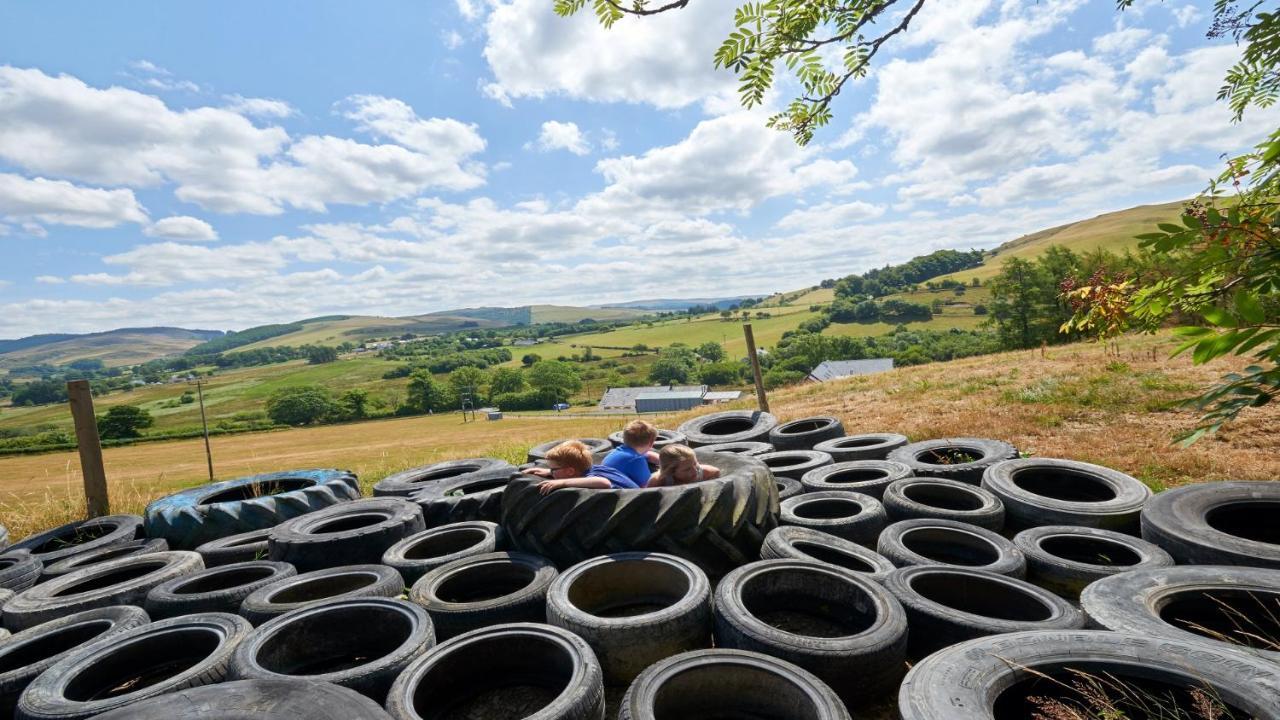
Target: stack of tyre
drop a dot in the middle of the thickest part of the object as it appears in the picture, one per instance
(802, 583)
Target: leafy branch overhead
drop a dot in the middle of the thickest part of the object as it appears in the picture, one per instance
(796, 35)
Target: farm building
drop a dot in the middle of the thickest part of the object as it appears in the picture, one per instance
(835, 369)
(668, 401)
(624, 398)
(721, 396)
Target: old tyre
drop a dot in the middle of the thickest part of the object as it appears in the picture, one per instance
(839, 625)
(946, 605)
(797, 543)
(235, 548)
(787, 487)
(595, 445)
(794, 463)
(422, 552)
(408, 482)
(963, 459)
(220, 589)
(1231, 607)
(77, 537)
(633, 609)
(357, 643)
(19, 570)
(947, 542)
(996, 677)
(299, 591)
(804, 433)
(531, 671)
(132, 548)
(196, 516)
(1043, 491)
(142, 663)
(717, 524)
(296, 699)
(741, 448)
(1223, 523)
(463, 499)
(869, 477)
(484, 590)
(912, 498)
(1064, 559)
(730, 426)
(116, 582)
(724, 683)
(866, 446)
(665, 438)
(853, 516)
(352, 533)
(29, 653)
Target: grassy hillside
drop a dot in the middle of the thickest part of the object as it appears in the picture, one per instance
(1111, 231)
(114, 348)
(1074, 402)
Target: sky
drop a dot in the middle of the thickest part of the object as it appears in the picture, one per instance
(221, 165)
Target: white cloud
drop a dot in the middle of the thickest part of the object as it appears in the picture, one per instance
(181, 227)
(608, 140)
(50, 280)
(557, 135)
(452, 39)
(831, 215)
(60, 202)
(170, 263)
(1186, 15)
(663, 60)
(259, 107)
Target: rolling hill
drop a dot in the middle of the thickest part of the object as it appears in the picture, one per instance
(126, 346)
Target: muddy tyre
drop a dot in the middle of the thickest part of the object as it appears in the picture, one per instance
(464, 499)
(866, 446)
(157, 658)
(423, 552)
(352, 533)
(408, 482)
(358, 643)
(841, 626)
(299, 591)
(633, 609)
(804, 433)
(853, 516)
(296, 699)
(244, 547)
(1231, 607)
(594, 445)
(794, 463)
(196, 516)
(797, 543)
(533, 671)
(729, 684)
(483, 590)
(77, 537)
(1065, 560)
(220, 589)
(730, 426)
(946, 542)
(717, 524)
(963, 459)
(740, 448)
(946, 605)
(132, 548)
(869, 477)
(1221, 523)
(971, 680)
(912, 498)
(19, 570)
(788, 487)
(26, 655)
(116, 582)
(1044, 491)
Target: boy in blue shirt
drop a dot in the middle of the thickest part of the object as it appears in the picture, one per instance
(569, 465)
(633, 456)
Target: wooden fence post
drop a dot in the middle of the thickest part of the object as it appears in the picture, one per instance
(755, 367)
(95, 476)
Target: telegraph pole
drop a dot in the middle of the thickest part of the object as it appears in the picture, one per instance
(204, 423)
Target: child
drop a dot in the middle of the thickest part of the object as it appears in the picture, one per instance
(633, 456)
(678, 465)
(569, 465)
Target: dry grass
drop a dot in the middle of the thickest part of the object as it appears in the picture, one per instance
(1073, 403)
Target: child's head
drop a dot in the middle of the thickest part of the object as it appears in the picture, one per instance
(569, 454)
(639, 435)
(679, 463)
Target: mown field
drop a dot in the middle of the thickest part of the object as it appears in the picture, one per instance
(1074, 402)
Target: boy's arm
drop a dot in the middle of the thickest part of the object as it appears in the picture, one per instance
(595, 483)
(710, 472)
(655, 480)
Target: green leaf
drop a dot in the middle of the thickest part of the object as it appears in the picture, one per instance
(1218, 316)
(1249, 308)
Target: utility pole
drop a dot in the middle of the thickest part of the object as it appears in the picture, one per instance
(204, 423)
(754, 357)
(90, 447)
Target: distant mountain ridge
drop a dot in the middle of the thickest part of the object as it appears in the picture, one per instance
(670, 304)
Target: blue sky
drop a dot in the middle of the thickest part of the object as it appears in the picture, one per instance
(229, 164)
